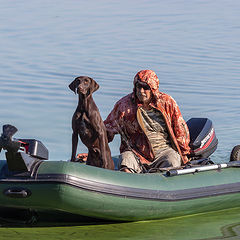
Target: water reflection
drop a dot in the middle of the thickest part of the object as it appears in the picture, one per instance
(230, 232)
(215, 225)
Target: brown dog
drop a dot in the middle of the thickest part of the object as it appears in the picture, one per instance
(88, 124)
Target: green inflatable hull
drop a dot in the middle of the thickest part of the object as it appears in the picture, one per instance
(90, 192)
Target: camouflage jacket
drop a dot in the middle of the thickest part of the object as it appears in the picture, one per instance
(123, 120)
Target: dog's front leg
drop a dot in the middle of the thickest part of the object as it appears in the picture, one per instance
(102, 145)
(74, 146)
(105, 152)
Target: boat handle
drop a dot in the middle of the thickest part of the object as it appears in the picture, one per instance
(17, 192)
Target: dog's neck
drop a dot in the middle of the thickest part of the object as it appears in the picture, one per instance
(83, 102)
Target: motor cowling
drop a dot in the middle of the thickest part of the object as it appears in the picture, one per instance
(203, 140)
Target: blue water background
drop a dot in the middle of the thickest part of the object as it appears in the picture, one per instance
(193, 46)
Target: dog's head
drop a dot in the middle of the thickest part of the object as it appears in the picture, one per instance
(83, 85)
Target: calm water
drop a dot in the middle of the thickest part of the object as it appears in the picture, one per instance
(193, 46)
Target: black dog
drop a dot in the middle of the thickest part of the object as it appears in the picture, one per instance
(88, 124)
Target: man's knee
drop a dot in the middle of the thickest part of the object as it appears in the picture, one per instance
(173, 159)
(167, 158)
(130, 162)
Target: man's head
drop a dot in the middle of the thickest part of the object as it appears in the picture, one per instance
(143, 92)
(146, 84)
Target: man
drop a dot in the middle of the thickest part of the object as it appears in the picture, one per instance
(153, 132)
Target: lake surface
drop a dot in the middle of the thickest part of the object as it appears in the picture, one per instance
(193, 46)
(210, 226)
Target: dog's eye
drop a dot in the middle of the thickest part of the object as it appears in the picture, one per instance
(85, 81)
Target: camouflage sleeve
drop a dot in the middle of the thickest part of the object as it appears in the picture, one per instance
(112, 122)
(180, 129)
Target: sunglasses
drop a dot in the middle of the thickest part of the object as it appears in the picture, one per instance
(143, 85)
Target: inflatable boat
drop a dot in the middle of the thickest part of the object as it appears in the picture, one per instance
(31, 183)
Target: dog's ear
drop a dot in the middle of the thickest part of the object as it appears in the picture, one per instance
(73, 85)
(93, 86)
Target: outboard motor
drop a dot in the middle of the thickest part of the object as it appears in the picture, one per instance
(21, 154)
(203, 140)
